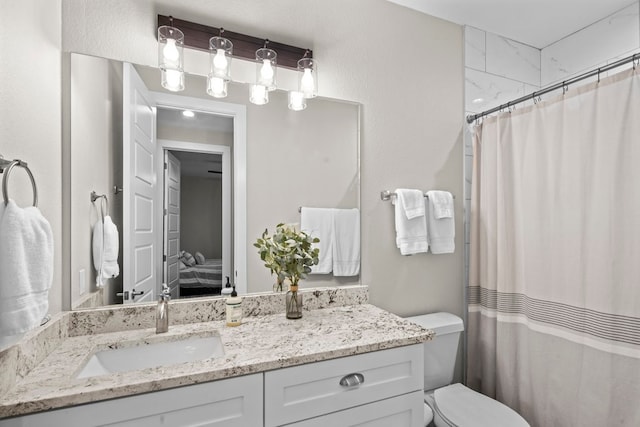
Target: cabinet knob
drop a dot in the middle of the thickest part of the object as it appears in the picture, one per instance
(352, 380)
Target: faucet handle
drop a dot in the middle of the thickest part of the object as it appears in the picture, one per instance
(166, 292)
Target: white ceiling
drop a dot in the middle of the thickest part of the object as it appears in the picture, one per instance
(537, 23)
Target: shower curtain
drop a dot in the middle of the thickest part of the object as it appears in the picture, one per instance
(554, 282)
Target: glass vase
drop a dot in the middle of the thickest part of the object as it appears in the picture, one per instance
(294, 303)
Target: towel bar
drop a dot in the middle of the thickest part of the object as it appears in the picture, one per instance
(386, 195)
(5, 167)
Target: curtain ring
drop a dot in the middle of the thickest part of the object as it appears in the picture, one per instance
(5, 181)
(598, 75)
(565, 88)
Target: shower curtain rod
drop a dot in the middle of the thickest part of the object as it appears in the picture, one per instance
(563, 85)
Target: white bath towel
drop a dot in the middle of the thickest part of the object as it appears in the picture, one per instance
(411, 227)
(318, 222)
(346, 248)
(442, 203)
(26, 268)
(105, 250)
(442, 230)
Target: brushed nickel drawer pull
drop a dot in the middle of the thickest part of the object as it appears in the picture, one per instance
(352, 380)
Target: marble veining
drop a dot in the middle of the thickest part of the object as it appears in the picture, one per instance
(261, 343)
(116, 318)
(592, 46)
(509, 58)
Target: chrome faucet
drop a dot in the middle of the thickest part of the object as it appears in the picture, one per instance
(162, 311)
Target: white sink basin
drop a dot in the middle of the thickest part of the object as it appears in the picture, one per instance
(152, 355)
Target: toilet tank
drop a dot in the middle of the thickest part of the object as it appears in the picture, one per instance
(441, 352)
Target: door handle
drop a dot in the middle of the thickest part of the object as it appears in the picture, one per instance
(135, 293)
(352, 380)
(124, 295)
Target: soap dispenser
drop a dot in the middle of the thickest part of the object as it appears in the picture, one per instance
(162, 311)
(234, 309)
(226, 291)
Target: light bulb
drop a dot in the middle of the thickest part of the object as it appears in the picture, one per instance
(259, 95)
(266, 72)
(220, 62)
(173, 80)
(170, 51)
(217, 87)
(307, 85)
(297, 101)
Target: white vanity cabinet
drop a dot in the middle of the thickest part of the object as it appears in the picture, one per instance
(381, 388)
(233, 402)
(369, 389)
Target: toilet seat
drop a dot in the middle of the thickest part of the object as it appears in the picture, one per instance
(458, 406)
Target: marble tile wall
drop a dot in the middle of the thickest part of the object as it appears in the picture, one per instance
(497, 70)
(601, 43)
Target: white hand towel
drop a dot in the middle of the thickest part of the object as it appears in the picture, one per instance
(346, 248)
(26, 268)
(442, 203)
(411, 228)
(318, 222)
(442, 232)
(105, 250)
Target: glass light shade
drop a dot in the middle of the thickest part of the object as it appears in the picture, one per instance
(266, 67)
(216, 87)
(220, 51)
(170, 48)
(172, 80)
(308, 77)
(297, 101)
(258, 94)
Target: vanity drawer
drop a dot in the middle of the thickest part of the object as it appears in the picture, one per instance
(306, 391)
(400, 411)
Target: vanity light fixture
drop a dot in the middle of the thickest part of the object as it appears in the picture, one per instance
(222, 46)
(266, 63)
(308, 76)
(170, 57)
(220, 52)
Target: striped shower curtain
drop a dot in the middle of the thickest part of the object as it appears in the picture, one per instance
(554, 282)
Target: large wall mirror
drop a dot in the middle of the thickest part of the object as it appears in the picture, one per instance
(219, 173)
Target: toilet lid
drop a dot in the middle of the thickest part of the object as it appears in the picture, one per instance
(463, 407)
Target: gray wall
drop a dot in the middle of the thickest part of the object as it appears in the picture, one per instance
(201, 216)
(96, 163)
(411, 122)
(30, 111)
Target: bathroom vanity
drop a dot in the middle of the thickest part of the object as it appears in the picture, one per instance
(346, 364)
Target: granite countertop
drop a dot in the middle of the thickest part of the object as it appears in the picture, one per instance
(260, 344)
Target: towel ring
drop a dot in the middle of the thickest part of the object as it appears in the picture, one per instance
(105, 200)
(5, 180)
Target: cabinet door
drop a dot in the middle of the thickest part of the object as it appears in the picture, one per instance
(234, 402)
(306, 391)
(400, 411)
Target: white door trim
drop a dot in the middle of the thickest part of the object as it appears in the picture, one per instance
(225, 151)
(239, 114)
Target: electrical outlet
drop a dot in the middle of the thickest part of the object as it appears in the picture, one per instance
(82, 280)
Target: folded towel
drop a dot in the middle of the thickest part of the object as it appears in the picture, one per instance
(105, 250)
(26, 268)
(442, 231)
(442, 204)
(318, 222)
(411, 228)
(346, 248)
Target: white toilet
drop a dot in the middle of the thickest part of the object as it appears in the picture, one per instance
(454, 405)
